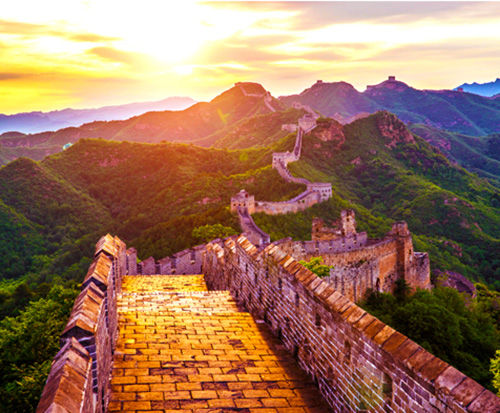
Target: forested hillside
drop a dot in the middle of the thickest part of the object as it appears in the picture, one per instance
(460, 112)
(164, 197)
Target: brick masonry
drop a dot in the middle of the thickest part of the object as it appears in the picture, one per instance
(358, 362)
(359, 263)
(80, 373)
(184, 348)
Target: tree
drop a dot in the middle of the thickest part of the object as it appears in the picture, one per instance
(316, 266)
(495, 370)
(206, 233)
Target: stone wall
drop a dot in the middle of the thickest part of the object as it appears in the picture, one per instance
(355, 279)
(148, 266)
(360, 264)
(244, 204)
(80, 373)
(251, 230)
(301, 202)
(305, 250)
(358, 362)
(285, 173)
(131, 256)
(188, 261)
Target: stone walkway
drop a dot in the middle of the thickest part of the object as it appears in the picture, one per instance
(185, 349)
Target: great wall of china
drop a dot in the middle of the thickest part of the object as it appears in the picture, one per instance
(245, 204)
(150, 336)
(188, 343)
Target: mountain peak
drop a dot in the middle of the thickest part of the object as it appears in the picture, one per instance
(330, 86)
(482, 89)
(243, 89)
(391, 83)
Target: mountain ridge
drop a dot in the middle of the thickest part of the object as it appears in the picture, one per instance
(195, 123)
(490, 89)
(39, 121)
(452, 110)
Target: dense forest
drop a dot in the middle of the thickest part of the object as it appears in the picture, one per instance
(161, 198)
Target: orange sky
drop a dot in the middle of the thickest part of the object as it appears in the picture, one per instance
(87, 53)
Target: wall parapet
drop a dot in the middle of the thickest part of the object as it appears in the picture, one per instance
(358, 362)
(79, 379)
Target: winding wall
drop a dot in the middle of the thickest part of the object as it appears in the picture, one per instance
(315, 192)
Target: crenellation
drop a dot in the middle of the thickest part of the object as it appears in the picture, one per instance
(357, 362)
(360, 264)
(131, 258)
(148, 266)
(243, 200)
(71, 369)
(91, 332)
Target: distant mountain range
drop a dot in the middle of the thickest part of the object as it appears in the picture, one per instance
(464, 126)
(155, 194)
(33, 122)
(483, 89)
(444, 109)
(195, 124)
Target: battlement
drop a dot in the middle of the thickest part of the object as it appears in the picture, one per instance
(346, 227)
(79, 378)
(360, 264)
(357, 361)
(307, 122)
(243, 200)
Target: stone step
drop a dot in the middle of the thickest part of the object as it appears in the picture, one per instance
(192, 350)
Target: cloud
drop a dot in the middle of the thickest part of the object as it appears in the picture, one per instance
(439, 52)
(114, 55)
(20, 28)
(137, 62)
(305, 16)
(30, 29)
(262, 51)
(12, 76)
(90, 37)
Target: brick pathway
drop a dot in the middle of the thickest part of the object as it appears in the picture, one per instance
(185, 349)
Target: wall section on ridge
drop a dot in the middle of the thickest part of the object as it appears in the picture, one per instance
(358, 362)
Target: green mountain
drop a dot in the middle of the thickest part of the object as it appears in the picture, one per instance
(383, 171)
(375, 164)
(160, 197)
(203, 119)
(460, 112)
(479, 154)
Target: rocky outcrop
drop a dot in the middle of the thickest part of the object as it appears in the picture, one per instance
(330, 131)
(393, 130)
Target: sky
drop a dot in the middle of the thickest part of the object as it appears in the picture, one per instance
(88, 53)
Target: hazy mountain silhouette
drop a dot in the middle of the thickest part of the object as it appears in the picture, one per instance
(33, 122)
(483, 89)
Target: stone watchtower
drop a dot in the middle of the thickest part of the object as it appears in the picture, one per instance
(243, 199)
(347, 223)
(345, 228)
(413, 267)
